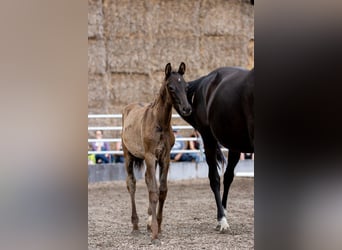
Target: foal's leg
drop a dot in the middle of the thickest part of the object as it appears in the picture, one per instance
(233, 159)
(151, 183)
(131, 186)
(163, 170)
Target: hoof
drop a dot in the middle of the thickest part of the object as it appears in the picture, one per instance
(149, 223)
(223, 226)
(225, 230)
(156, 242)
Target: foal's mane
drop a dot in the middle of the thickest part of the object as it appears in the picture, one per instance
(162, 93)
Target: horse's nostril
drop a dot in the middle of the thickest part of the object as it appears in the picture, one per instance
(187, 110)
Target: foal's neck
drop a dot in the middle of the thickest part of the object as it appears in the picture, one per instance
(163, 107)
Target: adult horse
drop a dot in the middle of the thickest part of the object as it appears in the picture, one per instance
(222, 111)
(147, 135)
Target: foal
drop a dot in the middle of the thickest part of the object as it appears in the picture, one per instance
(147, 135)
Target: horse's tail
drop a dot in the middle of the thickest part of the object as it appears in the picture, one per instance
(219, 157)
(138, 163)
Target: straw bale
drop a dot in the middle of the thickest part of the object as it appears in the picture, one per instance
(130, 42)
(127, 88)
(96, 56)
(129, 55)
(174, 19)
(219, 51)
(175, 50)
(95, 19)
(96, 89)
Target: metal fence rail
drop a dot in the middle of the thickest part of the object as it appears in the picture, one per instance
(199, 169)
(119, 128)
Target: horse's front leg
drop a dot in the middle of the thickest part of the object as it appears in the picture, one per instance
(152, 186)
(131, 187)
(214, 179)
(163, 171)
(233, 159)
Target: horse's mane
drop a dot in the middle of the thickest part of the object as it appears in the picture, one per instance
(195, 84)
(192, 88)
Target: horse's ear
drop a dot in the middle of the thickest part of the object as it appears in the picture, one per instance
(167, 70)
(181, 69)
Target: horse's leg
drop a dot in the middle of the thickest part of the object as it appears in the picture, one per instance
(131, 187)
(163, 170)
(233, 159)
(214, 178)
(151, 183)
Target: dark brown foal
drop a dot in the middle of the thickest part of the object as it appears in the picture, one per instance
(147, 135)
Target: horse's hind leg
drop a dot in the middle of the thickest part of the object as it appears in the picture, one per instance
(163, 170)
(233, 159)
(131, 187)
(214, 178)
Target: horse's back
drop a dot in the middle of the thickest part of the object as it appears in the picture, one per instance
(229, 109)
(132, 115)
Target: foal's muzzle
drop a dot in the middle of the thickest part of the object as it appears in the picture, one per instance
(186, 111)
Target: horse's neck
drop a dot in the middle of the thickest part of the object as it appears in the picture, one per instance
(163, 107)
(192, 88)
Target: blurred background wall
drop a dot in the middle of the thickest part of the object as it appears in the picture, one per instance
(131, 41)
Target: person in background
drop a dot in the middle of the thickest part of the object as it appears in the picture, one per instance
(244, 156)
(91, 157)
(118, 158)
(195, 145)
(179, 145)
(101, 146)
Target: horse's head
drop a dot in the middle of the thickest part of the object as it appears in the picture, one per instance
(177, 87)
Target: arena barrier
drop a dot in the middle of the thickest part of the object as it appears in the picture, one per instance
(119, 128)
(177, 171)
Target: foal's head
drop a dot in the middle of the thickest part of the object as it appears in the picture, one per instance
(176, 88)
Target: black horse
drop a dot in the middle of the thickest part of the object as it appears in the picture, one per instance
(222, 111)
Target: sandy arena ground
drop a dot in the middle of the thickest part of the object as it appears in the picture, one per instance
(189, 219)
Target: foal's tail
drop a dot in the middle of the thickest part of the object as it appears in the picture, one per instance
(138, 163)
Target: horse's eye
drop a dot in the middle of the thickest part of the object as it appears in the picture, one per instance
(172, 88)
(179, 80)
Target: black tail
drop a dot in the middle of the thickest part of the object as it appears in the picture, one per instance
(219, 156)
(138, 163)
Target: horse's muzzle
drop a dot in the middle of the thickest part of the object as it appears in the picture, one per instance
(186, 111)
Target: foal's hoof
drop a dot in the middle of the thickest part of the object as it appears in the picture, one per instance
(149, 223)
(156, 242)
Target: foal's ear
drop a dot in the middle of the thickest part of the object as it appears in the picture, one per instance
(167, 70)
(181, 69)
